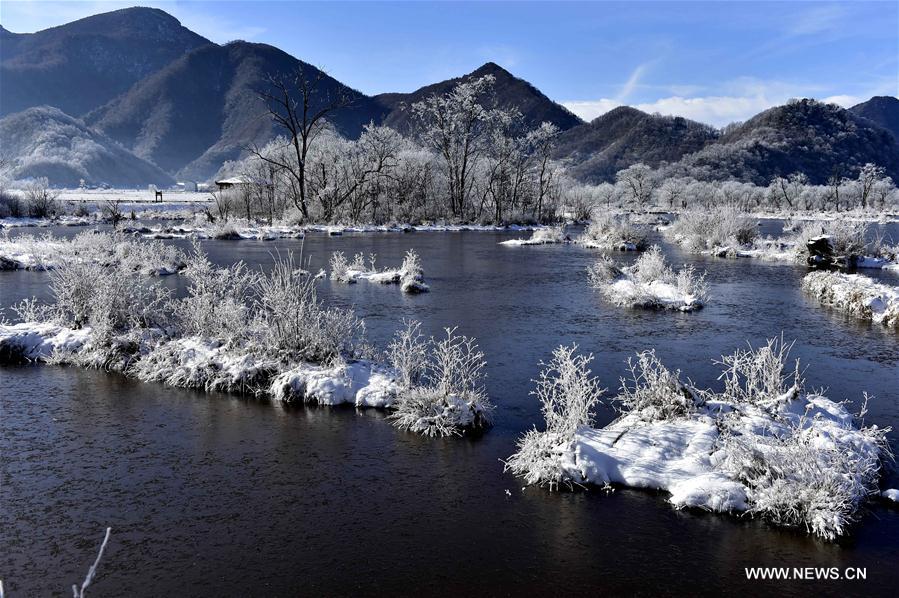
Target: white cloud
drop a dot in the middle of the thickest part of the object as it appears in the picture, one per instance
(846, 101)
(714, 110)
(588, 110)
(736, 100)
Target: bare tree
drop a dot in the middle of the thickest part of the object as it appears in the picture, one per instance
(299, 103)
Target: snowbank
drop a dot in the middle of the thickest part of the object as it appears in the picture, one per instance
(855, 294)
(361, 383)
(34, 341)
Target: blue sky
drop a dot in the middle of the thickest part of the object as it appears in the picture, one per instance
(714, 61)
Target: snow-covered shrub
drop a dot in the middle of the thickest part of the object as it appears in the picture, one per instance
(654, 392)
(649, 283)
(702, 230)
(216, 305)
(795, 482)
(542, 236)
(108, 300)
(652, 266)
(856, 295)
(224, 230)
(612, 233)
(602, 271)
(760, 376)
(567, 395)
(408, 354)
(846, 237)
(340, 267)
(295, 324)
(412, 274)
(450, 396)
(553, 234)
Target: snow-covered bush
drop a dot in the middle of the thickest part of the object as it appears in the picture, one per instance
(112, 250)
(340, 268)
(295, 325)
(567, 394)
(108, 300)
(856, 295)
(408, 354)
(702, 230)
(216, 305)
(795, 482)
(650, 283)
(654, 392)
(760, 376)
(412, 274)
(449, 396)
(612, 233)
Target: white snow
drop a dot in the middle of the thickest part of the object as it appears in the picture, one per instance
(35, 341)
(362, 383)
(855, 294)
(891, 494)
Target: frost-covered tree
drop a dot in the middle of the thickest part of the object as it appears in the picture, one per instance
(457, 125)
(637, 183)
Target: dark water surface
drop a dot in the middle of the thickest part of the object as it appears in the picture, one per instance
(214, 495)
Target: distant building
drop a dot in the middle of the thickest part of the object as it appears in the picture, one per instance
(187, 186)
(232, 182)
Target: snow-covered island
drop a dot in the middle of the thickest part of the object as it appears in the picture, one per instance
(761, 446)
(46, 252)
(266, 334)
(856, 295)
(650, 283)
(613, 233)
(728, 232)
(410, 275)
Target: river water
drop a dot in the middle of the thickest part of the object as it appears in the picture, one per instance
(211, 494)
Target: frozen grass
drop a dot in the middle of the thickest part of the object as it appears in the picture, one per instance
(107, 249)
(856, 295)
(761, 445)
(613, 233)
(711, 230)
(650, 283)
(542, 236)
(442, 391)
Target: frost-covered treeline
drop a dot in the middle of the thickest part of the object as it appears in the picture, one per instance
(640, 187)
(471, 163)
